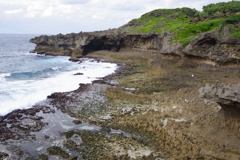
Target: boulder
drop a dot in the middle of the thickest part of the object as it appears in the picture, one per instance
(227, 96)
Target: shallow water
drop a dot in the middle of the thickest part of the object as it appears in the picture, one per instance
(52, 134)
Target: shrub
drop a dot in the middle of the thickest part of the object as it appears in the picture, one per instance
(223, 7)
(187, 23)
(234, 18)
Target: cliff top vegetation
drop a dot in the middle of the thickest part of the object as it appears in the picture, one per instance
(187, 23)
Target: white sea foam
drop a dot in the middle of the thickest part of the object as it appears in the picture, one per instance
(19, 94)
(2, 77)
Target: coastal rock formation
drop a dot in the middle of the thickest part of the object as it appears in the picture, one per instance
(84, 43)
(212, 46)
(209, 46)
(227, 96)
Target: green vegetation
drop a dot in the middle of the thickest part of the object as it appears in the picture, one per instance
(187, 23)
(236, 32)
(222, 7)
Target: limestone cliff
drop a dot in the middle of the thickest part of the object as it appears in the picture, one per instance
(85, 43)
(209, 46)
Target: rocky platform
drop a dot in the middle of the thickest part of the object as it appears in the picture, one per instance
(152, 108)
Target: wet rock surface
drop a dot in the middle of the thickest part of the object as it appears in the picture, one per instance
(21, 122)
(61, 127)
(57, 151)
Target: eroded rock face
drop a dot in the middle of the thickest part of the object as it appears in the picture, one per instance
(114, 40)
(202, 45)
(84, 43)
(213, 46)
(227, 96)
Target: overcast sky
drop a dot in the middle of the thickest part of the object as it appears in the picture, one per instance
(67, 16)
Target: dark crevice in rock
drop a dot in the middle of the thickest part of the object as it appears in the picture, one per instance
(195, 57)
(207, 41)
(231, 110)
(44, 43)
(172, 55)
(65, 46)
(232, 62)
(100, 44)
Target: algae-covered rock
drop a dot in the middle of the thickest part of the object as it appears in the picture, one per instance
(39, 157)
(3, 155)
(70, 144)
(57, 151)
(73, 158)
(43, 157)
(77, 122)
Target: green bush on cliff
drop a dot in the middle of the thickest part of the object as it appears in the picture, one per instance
(187, 23)
(190, 31)
(236, 32)
(234, 18)
(222, 7)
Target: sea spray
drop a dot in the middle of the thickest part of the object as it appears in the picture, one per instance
(27, 78)
(24, 90)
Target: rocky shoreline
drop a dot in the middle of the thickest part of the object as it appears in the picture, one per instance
(41, 132)
(146, 110)
(174, 97)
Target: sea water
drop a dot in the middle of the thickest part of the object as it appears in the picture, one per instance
(27, 78)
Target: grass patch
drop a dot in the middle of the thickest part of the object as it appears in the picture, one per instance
(236, 32)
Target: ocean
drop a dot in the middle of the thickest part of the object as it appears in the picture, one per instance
(27, 78)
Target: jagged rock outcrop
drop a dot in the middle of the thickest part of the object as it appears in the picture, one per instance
(212, 46)
(84, 43)
(227, 96)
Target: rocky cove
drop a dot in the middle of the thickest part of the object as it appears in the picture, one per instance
(167, 100)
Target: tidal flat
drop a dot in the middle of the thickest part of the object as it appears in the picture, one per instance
(149, 109)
